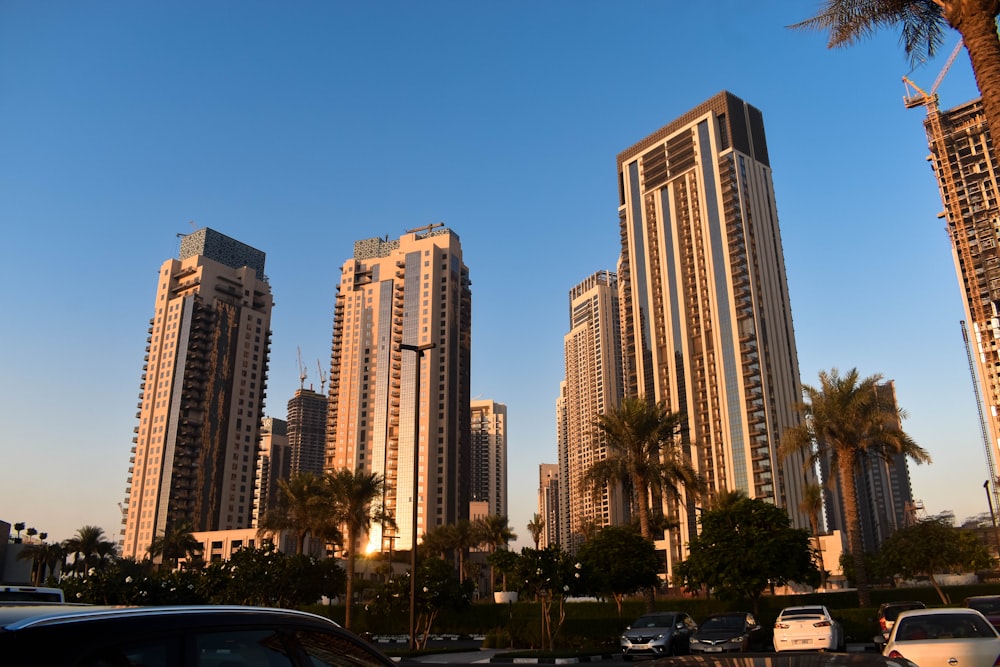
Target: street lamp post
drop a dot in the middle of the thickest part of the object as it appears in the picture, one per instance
(419, 349)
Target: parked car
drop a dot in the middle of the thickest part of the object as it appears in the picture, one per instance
(729, 632)
(202, 636)
(658, 634)
(952, 636)
(808, 628)
(987, 605)
(888, 611)
(24, 594)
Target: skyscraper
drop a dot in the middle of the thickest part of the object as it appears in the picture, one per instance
(307, 431)
(202, 393)
(969, 179)
(593, 356)
(706, 314)
(413, 292)
(274, 463)
(489, 455)
(548, 503)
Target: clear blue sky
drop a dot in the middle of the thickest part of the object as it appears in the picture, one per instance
(300, 127)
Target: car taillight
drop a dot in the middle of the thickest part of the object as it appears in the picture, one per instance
(781, 626)
(896, 654)
(881, 623)
(821, 624)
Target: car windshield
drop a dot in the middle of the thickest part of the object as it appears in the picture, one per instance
(990, 606)
(890, 613)
(942, 626)
(654, 622)
(723, 623)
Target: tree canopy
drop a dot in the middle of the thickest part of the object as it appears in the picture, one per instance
(743, 548)
(931, 547)
(619, 562)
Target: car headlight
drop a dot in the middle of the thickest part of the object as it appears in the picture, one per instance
(660, 636)
(695, 640)
(740, 639)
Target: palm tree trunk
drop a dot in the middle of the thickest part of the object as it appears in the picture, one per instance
(852, 519)
(642, 508)
(978, 28)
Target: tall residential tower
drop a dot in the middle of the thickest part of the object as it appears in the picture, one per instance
(202, 393)
(489, 455)
(706, 313)
(593, 355)
(395, 300)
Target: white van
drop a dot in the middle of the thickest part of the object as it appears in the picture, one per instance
(30, 594)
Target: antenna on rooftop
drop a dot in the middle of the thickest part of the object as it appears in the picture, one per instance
(302, 370)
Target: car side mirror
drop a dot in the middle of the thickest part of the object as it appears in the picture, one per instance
(880, 641)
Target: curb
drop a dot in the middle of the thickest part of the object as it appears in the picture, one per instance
(551, 661)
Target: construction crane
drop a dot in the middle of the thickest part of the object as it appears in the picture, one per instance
(929, 100)
(322, 377)
(302, 370)
(990, 468)
(953, 211)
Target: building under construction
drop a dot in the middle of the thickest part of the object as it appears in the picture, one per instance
(963, 160)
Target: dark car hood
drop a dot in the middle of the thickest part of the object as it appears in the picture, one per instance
(716, 635)
(648, 632)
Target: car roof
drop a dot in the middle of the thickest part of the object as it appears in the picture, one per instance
(910, 613)
(886, 605)
(728, 613)
(17, 617)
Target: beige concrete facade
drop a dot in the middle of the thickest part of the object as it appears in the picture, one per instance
(706, 312)
(411, 291)
(202, 393)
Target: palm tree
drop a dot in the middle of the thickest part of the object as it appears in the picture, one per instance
(812, 505)
(535, 527)
(175, 543)
(493, 532)
(645, 457)
(45, 559)
(357, 501)
(844, 420)
(89, 547)
(922, 24)
(304, 508)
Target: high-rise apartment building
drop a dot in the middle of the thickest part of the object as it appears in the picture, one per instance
(307, 431)
(968, 176)
(562, 454)
(489, 455)
(882, 488)
(396, 299)
(274, 463)
(548, 503)
(705, 307)
(593, 357)
(202, 393)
